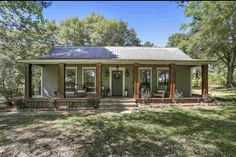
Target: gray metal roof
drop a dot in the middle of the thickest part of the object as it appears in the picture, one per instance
(116, 53)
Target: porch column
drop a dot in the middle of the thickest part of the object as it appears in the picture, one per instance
(204, 80)
(172, 75)
(98, 78)
(61, 80)
(28, 81)
(136, 81)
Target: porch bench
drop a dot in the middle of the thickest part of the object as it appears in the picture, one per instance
(159, 94)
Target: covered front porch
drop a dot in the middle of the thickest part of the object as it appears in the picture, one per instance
(120, 80)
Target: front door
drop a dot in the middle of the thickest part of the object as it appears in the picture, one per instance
(117, 86)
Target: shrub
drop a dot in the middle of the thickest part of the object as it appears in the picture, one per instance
(93, 103)
(145, 96)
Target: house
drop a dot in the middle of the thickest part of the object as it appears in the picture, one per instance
(115, 71)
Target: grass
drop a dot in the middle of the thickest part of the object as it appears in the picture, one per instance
(219, 92)
(155, 132)
(198, 131)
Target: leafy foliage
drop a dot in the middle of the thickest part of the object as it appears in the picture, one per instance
(148, 44)
(8, 85)
(212, 33)
(96, 30)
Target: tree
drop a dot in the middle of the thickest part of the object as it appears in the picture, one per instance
(96, 30)
(8, 85)
(71, 32)
(132, 39)
(23, 34)
(213, 32)
(21, 14)
(148, 44)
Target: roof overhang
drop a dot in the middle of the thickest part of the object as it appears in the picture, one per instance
(194, 62)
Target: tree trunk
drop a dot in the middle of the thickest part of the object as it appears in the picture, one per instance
(230, 72)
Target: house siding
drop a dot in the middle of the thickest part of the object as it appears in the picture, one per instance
(49, 80)
(183, 80)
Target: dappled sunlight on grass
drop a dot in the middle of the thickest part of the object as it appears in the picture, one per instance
(152, 132)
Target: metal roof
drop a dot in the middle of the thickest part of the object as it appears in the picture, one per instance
(117, 53)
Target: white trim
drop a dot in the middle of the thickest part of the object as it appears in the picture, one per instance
(89, 68)
(160, 68)
(190, 94)
(110, 79)
(146, 68)
(41, 79)
(76, 72)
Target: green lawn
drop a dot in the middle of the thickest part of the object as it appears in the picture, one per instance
(206, 131)
(219, 92)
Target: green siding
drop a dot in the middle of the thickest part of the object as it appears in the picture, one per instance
(129, 81)
(50, 78)
(183, 81)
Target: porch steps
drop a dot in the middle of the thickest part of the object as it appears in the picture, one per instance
(117, 104)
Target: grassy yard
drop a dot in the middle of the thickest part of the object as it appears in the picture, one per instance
(208, 131)
(219, 92)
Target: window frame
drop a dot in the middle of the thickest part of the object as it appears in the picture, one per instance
(95, 84)
(161, 68)
(76, 72)
(146, 68)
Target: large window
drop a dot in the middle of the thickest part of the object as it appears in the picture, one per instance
(162, 78)
(89, 79)
(145, 78)
(70, 78)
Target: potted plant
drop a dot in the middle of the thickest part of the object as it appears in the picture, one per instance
(126, 92)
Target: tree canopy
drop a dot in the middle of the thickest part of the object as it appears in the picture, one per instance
(212, 33)
(96, 30)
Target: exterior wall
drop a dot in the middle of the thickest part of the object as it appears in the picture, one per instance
(183, 80)
(49, 80)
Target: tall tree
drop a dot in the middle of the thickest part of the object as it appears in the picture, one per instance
(24, 33)
(132, 39)
(96, 30)
(71, 32)
(213, 32)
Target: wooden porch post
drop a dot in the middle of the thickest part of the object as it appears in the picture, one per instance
(136, 81)
(204, 80)
(61, 80)
(98, 78)
(172, 75)
(28, 81)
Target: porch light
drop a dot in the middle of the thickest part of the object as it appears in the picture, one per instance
(127, 73)
(106, 73)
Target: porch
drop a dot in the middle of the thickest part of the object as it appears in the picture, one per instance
(98, 80)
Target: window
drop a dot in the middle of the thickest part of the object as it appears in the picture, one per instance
(70, 78)
(162, 78)
(89, 79)
(145, 78)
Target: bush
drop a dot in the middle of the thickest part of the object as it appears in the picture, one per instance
(145, 96)
(217, 79)
(93, 103)
(20, 103)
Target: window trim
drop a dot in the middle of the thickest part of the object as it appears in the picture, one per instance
(161, 68)
(76, 73)
(145, 68)
(89, 68)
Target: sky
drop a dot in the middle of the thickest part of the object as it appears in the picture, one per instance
(153, 21)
